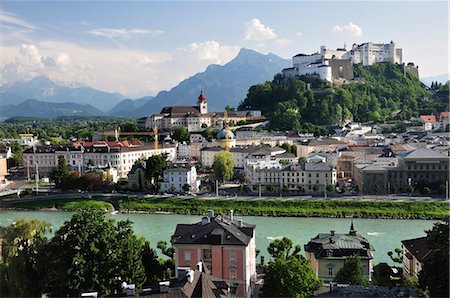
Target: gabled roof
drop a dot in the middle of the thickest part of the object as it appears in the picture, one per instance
(428, 118)
(179, 110)
(444, 115)
(417, 247)
(424, 154)
(218, 231)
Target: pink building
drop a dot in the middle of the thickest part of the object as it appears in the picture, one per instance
(224, 245)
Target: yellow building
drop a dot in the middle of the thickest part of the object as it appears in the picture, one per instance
(415, 252)
(329, 252)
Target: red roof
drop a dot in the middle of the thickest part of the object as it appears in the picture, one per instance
(202, 96)
(428, 118)
(444, 115)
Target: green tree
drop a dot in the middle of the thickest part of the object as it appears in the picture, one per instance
(288, 273)
(302, 159)
(398, 258)
(331, 187)
(181, 134)
(89, 253)
(186, 187)
(61, 172)
(229, 108)
(269, 188)
(352, 272)
(315, 188)
(154, 167)
(17, 154)
(434, 276)
(173, 188)
(223, 165)
(19, 269)
(152, 266)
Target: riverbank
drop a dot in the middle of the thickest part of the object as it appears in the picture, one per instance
(276, 208)
(69, 204)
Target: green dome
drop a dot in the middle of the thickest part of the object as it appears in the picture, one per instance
(221, 135)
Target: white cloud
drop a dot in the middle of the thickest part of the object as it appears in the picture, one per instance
(298, 34)
(12, 19)
(257, 31)
(112, 69)
(211, 51)
(351, 28)
(123, 33)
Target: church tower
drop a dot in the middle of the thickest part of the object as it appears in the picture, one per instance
(202, 104)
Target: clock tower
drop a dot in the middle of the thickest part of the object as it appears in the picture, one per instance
(202, 104)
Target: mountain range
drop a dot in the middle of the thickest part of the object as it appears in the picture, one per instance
(223, 85)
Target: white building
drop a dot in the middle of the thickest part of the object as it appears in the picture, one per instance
(120, 155)
(273, 176)
(195, 118)
(239, 154)
(335, 65)
(369, 53)
(178, 175)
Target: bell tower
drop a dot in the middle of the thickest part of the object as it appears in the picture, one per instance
(202, 103)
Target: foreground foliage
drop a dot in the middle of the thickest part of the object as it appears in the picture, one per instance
(352, 272)
(288, 273)
(434, 277)
(91, 252)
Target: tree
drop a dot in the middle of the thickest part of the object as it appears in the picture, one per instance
(91, 252)
(17, 154)
(229, 108)
(173, 188)
(90, 163)
(357, 188)
(330, 188)
(154, 167)
(181, 134)
(61, 172)
(186, 187)
(223, 165)
(399, 256)
(302, 159)
(152, 267)
(288, 274)
(269, 188)
(434, 276)
(410, 189)
(19, 268)
(352, 272)
(315, 188)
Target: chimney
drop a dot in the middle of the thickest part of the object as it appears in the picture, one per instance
(210, 213)
(231, 215)
(190, 276)
(205, 220)
(240, 223)
(200, 266)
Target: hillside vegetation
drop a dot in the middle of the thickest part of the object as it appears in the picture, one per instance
(381, 93)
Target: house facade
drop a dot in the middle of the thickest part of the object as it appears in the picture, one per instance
(179, 174)
(224, 245)
(415, 252)
(329, 252)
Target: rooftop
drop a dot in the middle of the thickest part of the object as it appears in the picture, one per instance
(417, 247)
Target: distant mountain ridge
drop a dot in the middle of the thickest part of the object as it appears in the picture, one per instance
(223, 85)
(43, 89)
(40, 109)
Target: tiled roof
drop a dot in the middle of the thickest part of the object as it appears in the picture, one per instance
(341, 245)
(424, 154)
(417, 247)
(428, 118)
(218, 230)
(179, 110)
(444, 115)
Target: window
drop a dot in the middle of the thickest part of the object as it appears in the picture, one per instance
(232, 256)
(187, 255)
(233, 274)
(330, 271)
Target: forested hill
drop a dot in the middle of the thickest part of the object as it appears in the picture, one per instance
(381, 92)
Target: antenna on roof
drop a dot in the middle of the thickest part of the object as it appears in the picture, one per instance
(352, 229)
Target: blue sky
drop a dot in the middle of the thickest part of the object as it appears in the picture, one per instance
(140, 48)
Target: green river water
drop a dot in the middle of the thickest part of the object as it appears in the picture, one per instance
(383, 234)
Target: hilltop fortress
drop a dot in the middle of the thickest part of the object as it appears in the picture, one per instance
(336, 65)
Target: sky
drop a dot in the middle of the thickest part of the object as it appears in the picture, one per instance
(141, 48)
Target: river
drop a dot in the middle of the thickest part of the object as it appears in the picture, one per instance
(383, 234)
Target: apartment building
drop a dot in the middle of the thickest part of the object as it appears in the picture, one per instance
(224, 245)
